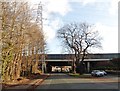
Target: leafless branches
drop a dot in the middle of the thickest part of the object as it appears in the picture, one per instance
(21, 39)
(79, 37)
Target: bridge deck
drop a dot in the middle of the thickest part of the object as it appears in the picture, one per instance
(64, 60)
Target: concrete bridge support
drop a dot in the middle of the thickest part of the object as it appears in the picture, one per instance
(88, 67)
(44, 68)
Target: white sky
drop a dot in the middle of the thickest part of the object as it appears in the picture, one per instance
(59, 12)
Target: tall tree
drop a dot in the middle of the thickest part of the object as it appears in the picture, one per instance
(79, 37)
(20, 35)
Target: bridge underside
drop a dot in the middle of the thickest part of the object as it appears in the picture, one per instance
(89, 63)
(59, 63)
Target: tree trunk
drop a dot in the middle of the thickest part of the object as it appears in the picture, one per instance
(18, 65)
(81, 68)
(74, 66)
(82, 65)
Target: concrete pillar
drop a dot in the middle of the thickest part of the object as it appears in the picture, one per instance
(42, 67)
(88, 66)
(61, 69)
(45, 69)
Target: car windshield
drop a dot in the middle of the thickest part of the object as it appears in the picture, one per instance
(96, 70)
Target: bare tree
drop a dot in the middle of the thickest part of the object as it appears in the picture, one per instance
(19, 35)
(79, 37)
(12, 18)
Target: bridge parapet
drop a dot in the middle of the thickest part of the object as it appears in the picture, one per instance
(90, 56)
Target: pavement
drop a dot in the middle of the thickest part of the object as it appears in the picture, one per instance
(64, 81)
(29, 85)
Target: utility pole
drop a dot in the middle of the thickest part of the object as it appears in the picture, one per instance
(39, 16)
(39, 21)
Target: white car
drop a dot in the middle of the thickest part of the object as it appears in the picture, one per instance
(98, 73)
(105, 73)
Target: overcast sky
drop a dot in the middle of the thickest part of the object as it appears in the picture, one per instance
(102, 13)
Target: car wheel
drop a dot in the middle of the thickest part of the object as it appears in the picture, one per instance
(101, 75)
(96, 75)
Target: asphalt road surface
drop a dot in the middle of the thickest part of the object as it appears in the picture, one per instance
(63, 81)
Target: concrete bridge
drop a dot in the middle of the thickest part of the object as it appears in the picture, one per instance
(67, 59)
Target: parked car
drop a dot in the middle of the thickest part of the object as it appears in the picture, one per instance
(98, 73)
(105, 73)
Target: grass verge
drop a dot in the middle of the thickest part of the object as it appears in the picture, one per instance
(80, 76)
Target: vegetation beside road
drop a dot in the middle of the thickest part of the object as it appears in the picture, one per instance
(80, 76)
(26, 82)
(22, 39)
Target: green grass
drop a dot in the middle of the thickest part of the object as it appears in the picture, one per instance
(80, 76)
